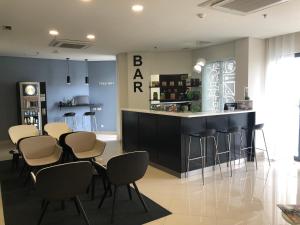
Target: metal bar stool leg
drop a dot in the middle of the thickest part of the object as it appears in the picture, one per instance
(188, 159)
(245, 151)
(203, 158)
(217, 155)
(229, 152)
(95, 123)
(263, 133)
(253, 150)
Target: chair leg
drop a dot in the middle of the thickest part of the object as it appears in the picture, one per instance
(114, 203)
(103, 198)
(266, 146)
(245, 150)
(76, 205)
(129, 191)
(140, 197)
(43, 212)
(22, 170)
(82, 210)
(93, 188)
(63, 205)
(27, 178)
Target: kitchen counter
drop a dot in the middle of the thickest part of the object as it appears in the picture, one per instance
(187, 114)
(164, 135)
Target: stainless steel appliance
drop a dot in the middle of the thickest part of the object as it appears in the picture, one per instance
(32, 107)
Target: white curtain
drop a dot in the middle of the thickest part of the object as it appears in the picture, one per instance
(282, 97)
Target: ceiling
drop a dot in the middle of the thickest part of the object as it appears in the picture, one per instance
(163, 25)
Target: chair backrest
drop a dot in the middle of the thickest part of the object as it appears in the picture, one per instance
(64, 181)
(18, 132)
(57, 129)
(81, 141)
(37, 147)
(127, 168)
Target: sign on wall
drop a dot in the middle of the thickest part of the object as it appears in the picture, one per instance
(138, 76)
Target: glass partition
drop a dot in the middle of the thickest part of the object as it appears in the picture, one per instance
(218, 85)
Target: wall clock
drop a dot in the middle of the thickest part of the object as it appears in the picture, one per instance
(30, 90)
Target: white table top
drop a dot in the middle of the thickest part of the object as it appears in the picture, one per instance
(187, 114)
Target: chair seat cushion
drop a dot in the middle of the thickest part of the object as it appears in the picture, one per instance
(88, 154)
(43, 161)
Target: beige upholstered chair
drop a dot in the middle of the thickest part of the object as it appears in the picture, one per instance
(57, 129)
(40, 151)
(16, 133)
(85, 145)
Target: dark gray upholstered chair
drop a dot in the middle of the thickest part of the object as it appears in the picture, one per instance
(63, 182)
(124, 170)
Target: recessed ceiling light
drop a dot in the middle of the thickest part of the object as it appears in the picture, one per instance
(201, 15)
(86, 0)
(137, 8)
(90, 36)
(6, 27)
(53, 32)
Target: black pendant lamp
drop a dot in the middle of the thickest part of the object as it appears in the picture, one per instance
(86, 78)
(68, 72)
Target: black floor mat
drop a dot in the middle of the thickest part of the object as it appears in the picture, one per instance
(23, 207)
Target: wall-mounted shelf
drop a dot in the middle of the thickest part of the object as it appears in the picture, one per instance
(79, 105)
(170, 102)
(184, 86)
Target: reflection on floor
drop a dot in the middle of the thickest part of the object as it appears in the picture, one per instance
(248, 198)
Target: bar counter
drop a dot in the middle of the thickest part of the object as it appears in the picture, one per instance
(165, 135)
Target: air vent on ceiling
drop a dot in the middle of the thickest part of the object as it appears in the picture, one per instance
(73, 44)
(241, 7)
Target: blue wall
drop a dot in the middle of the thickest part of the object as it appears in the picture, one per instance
(104, 72)
(14, 69)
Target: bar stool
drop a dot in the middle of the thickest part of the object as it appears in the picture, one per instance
(257, 127)
(209, 133)
(229, 133)
(91, 115)
(71, 116)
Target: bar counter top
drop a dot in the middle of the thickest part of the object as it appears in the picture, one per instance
(187, 114)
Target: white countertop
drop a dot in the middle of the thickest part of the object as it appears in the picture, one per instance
(187, 114)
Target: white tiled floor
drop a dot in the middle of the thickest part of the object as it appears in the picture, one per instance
(248, 198)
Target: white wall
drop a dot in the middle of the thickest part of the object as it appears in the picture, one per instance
(122, 87)
(242, 66)
(256, 74)
(215, 52)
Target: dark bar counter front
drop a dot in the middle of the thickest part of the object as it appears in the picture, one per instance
(165, 136)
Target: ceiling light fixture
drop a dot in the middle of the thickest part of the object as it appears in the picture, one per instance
(90, 36)
(68, 72)
(137, 8)
(201, 15)
(86, 78)
(53, 32)
(200, 63)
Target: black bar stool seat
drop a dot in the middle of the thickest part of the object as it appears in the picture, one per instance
(69, 114)
(89, 114)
